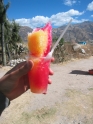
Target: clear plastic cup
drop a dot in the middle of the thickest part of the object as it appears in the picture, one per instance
(39, 74)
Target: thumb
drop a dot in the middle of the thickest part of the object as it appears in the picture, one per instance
(23, 69)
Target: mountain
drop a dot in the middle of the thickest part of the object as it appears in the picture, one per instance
(76, 32)
(24, 30)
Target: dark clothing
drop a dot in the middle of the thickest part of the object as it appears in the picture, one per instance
(4, 102)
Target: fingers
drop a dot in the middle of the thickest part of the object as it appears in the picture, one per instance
(49, 81)
(52, 59)
(23, 69)
(51, 72)
(16, 67)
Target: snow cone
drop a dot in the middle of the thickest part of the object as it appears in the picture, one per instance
(39, 45)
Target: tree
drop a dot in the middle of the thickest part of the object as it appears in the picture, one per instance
(3, 9)
(55, 39)
(61, 41)
(7, 35)
(15, 37)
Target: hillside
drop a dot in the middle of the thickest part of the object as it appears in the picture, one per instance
(76, 32)
(23, 32)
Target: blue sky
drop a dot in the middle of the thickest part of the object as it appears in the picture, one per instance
(35, 13)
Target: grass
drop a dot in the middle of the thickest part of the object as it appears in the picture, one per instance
(90, 88)
(77, 106)
(42, 116)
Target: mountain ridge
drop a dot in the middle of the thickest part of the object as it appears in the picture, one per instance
(76, 32)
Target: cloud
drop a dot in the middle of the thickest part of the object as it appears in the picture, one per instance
(91, 15)
(23, 21)
(57, 20)
(70, 2)
(79, 21)
(64, 17)
(36, 21)
(90, 6)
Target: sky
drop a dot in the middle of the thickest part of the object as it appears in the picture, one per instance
(36, 13)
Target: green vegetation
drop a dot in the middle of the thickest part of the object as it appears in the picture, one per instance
(9, 33)
(3, 9)
(61, 41)
(76, 105)
(43, 116)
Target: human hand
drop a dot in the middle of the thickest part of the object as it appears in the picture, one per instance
(15, 82)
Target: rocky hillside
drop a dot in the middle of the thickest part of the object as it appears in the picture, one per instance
(23, 32)
(76, 32)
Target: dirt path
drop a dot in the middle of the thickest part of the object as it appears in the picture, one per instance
(69, 99)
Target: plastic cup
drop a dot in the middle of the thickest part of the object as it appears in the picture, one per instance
(39, 74)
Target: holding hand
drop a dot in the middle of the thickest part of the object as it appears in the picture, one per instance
(15, 82)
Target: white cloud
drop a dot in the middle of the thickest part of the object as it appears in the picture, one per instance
(91, 15)
(57, 20)
(70, 2)
(64, 17)
(36, 21)
(79, 21)
(90, 6)
(39, 20)
(23, 21)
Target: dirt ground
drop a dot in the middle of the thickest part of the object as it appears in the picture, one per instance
(69, 99)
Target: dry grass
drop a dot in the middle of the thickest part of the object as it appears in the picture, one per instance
(66, 53)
